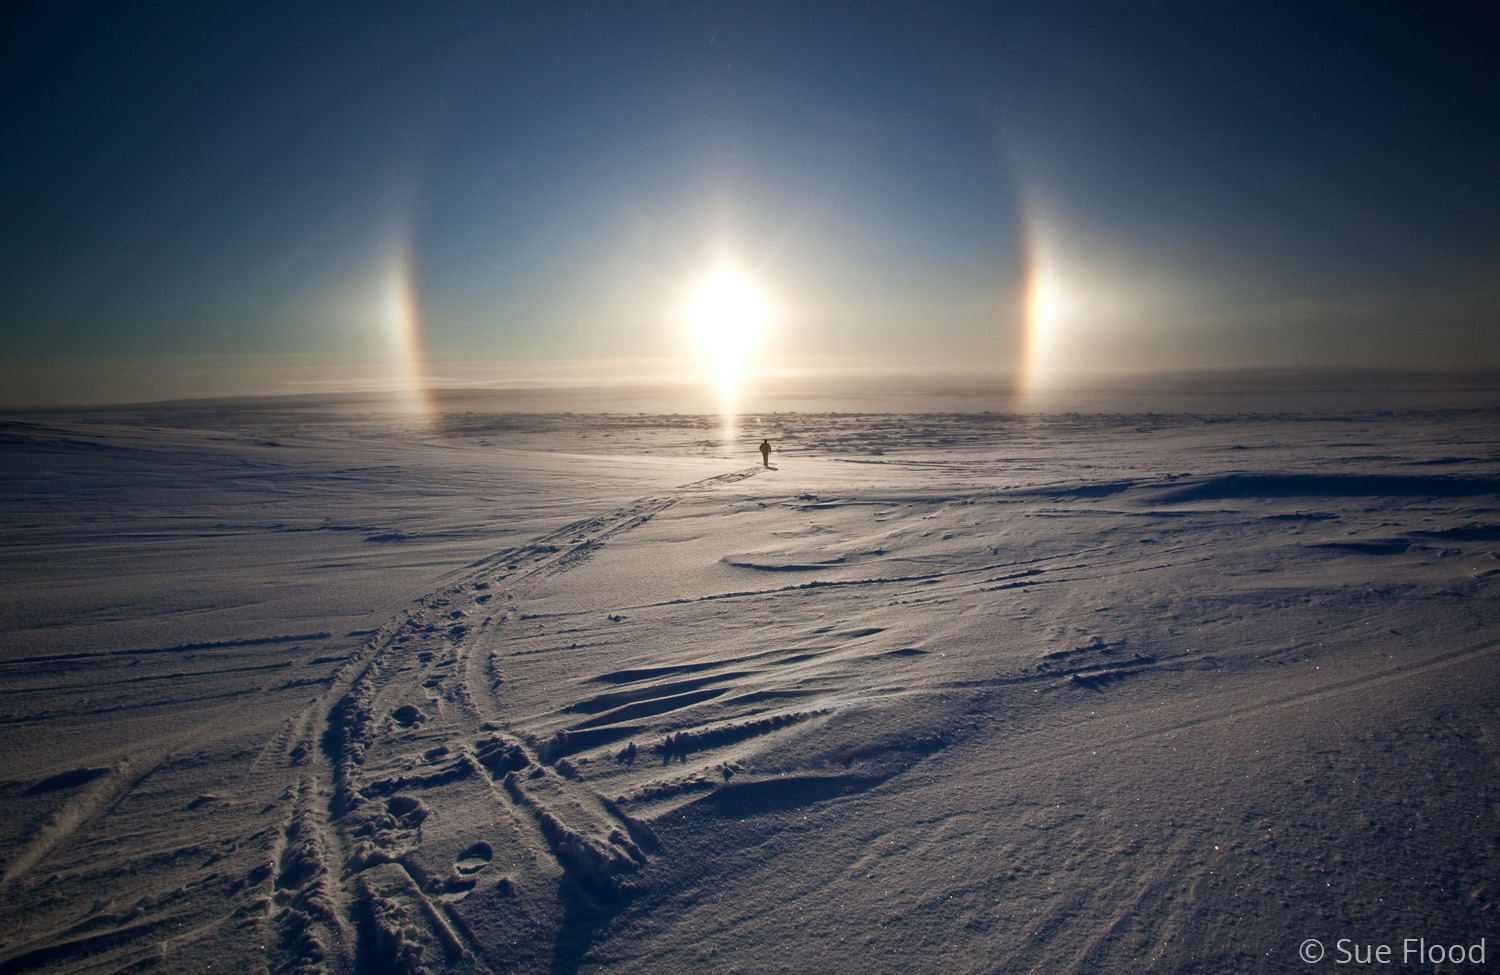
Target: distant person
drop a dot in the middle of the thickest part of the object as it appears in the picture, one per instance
(765, 452)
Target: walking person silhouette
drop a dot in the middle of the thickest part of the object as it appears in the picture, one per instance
(765, 452)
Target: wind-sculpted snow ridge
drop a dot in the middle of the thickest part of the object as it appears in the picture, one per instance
(1334, 486)
(1018, 694)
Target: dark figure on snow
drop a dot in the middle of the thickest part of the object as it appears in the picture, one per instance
(765, 452)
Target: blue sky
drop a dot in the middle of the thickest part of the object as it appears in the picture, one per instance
(1183, 185)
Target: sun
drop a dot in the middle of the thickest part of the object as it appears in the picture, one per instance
(726, 314)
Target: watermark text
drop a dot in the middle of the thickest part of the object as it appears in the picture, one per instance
(1407, 951)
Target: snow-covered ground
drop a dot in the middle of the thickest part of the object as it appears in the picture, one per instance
(324, 691)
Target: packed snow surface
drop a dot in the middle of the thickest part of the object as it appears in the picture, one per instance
(296, 691)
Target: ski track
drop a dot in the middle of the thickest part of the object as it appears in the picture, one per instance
(350, 894)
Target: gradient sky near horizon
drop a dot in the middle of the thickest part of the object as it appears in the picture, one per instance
(1106, 185)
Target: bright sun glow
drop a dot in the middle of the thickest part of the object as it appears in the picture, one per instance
(727, 314)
